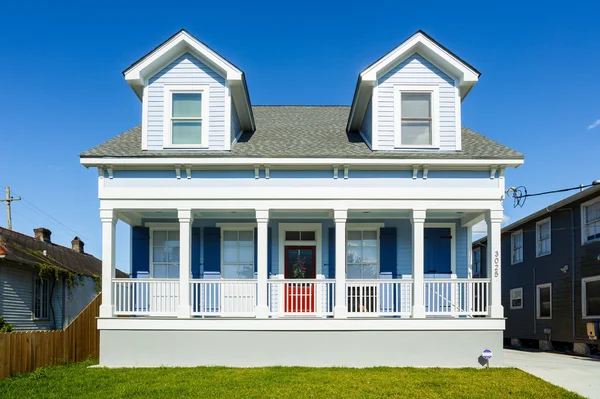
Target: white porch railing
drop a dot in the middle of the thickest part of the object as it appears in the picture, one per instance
(149, 297)
(229, 298)
(300, 297)
(379, 297)
(456, 297)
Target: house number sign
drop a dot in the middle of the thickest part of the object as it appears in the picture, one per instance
(496, 264)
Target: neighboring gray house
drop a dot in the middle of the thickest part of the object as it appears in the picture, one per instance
(44, 286)
(551, 273)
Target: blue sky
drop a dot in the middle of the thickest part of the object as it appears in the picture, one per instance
(62, 90)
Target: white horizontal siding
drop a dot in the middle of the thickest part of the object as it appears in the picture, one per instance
(187, 70)
(415, 70)
(17, 299)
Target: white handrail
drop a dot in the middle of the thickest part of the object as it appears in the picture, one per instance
(230, 298)
(148, 297)
(456, 297)
(366, 298)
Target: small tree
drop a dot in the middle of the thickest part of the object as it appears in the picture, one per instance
(4, 326)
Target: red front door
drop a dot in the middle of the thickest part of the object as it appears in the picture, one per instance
(300, 265)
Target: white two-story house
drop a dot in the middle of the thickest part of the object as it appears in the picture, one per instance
(300, 235)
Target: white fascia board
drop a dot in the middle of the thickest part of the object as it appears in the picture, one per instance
(458, 163)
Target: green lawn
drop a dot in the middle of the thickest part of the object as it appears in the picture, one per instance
(76, 380)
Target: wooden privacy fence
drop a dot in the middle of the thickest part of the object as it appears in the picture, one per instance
(26, 351)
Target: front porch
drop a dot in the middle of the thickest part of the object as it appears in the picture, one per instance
(274, 264)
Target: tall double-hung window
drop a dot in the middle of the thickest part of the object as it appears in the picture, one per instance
(186, 116)
(590, 223)
(416, 116)
(238, 254)
(41, 298)
(165, 253)
(543, 233)
(516, 240)
(362, 260)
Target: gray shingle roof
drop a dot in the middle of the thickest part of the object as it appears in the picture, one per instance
(304, 132)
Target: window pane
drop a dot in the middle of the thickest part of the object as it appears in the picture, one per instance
(230, 236)
(187, 105)
(354, 255)
(307, 236)
(544, 298)
(370, 254)
(593, 231)
(544, 230)
(416, 105)
(159, 254)
(516, 303)
(292, 235)
(159, 271)
(592, 212)
(246, 255)
(416, 132)
(246, 236)
(230, 255)
(173, 271)
(173, 236)
(370, 238)
(159, 238)
(354, 236)
(187, 132)
(173, 254)
(592, 291)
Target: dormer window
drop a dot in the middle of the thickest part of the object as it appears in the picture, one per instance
(186, 116)
(416, 116)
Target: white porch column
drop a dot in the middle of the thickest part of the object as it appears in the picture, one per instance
(493, 261)
(418, 240)
(185, 261)
(340, 310)
(109, 222)
(262, 256)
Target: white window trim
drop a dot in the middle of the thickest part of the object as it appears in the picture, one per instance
(435, 113)
(35, 294)
(538, 302)
(584, 297)
(584, 239)
(520, 289)
(317, 228)
(537, 236)
(169, 90)
(365, 227)
(160, 227)
(235, 227)
(512, 247)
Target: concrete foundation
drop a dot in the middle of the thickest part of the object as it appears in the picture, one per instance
(312, 348)
(581, 348)
(515, 342)
(545, 345)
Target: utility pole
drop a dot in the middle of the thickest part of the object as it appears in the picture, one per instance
(8, 200)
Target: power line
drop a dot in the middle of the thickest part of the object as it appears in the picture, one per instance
(54, 219)
(519, 194)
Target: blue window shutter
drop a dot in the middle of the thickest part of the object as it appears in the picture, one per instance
(212, 249)
(438, 250)
(140, 250)
(388, 251)
(196, 235)
(269, 250)
(255, 250)
(331, 242)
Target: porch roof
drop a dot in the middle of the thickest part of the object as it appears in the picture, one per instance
(303, 132)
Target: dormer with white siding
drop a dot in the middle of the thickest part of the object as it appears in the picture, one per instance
(410, 99)
(193, 99)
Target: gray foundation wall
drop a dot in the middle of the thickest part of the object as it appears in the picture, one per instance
(150, 348)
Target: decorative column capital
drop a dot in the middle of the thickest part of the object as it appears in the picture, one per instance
(185, 215)
(108, 216)
(418, 215)
(494, 216)
(340, 215)
(262, 215)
